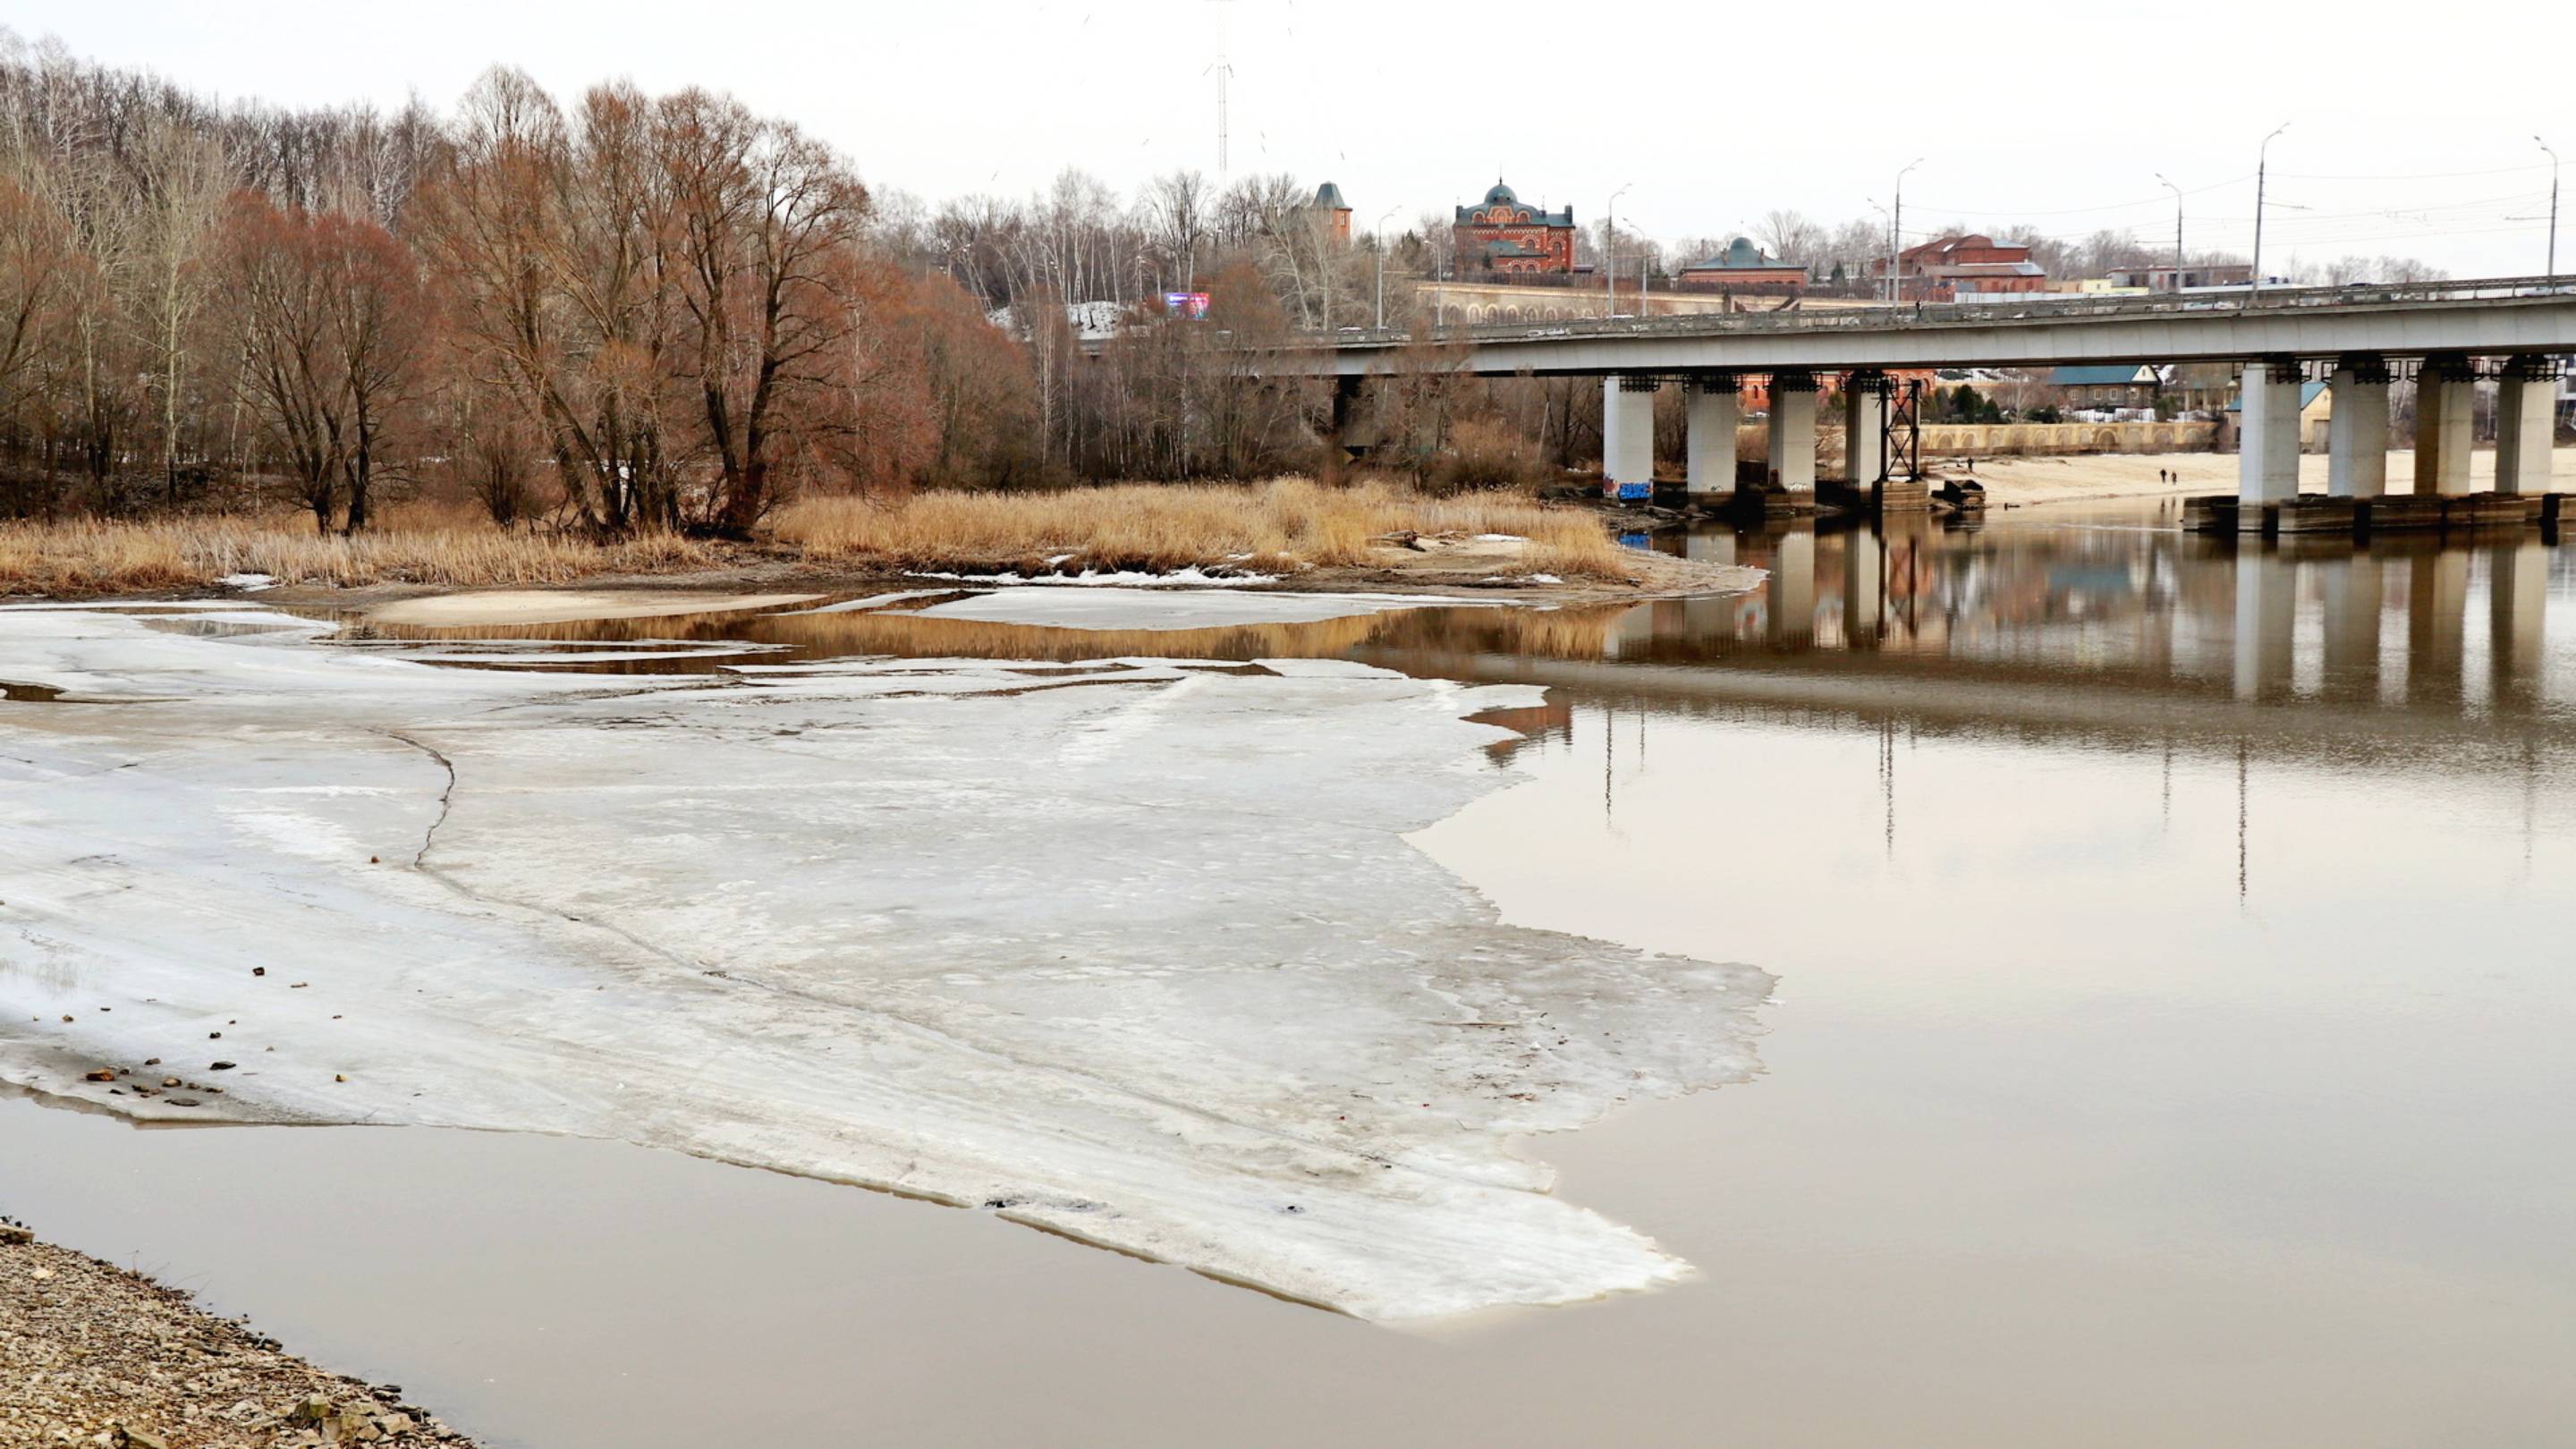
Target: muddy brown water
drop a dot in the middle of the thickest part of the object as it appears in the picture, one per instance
(2177, 956)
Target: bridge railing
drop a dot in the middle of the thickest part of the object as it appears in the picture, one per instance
(1940, 314)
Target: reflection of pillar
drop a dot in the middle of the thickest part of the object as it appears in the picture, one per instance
(2445, 390)
(1715, 406)
(1792, 586)
(2267, 459)
(2437, 608)
(2352, 601)
(2357, 435)
(2266, 611)
(1865, 428)
(2526, 424)
(2517, 596)
(1337, 453)
(1864, 587)
(1793, 431)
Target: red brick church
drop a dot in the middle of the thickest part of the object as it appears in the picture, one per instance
(1502, 233)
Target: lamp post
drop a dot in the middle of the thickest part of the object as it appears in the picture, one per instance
(2262, 160)
(1609, 252)
(2553, 209)
(1896, 236)
(1377, 233)
(2177, 191)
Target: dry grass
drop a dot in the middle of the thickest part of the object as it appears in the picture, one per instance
(1257, 528)
(413, 546)
(1272, 527)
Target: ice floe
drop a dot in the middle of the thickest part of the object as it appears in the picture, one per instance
(1137, 954)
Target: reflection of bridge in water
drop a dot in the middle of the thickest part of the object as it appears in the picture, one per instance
(2404, 652)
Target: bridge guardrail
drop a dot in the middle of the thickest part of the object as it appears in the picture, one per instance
(1953, 313)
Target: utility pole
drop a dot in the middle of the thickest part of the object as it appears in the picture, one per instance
(2262, 161)
(1377, 233)
(2553, 209)
(2177, 191)
(1610, 252)
(1223, 69)
(1896, 236)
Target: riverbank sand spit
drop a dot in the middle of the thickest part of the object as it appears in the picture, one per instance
(93, 1355)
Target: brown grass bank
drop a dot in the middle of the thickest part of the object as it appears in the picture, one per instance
(1287, 526)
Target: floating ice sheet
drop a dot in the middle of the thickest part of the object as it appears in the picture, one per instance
(1139, 956)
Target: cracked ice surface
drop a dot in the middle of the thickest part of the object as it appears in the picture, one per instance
(1139, 956)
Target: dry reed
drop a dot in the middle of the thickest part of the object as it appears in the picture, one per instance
(1287, 523)
(1273, 527)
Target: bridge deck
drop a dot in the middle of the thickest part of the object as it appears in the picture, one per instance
(2486, 317)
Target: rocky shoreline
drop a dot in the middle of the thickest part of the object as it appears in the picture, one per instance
(96, 1356)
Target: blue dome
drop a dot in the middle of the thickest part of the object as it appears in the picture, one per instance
(1501, 195)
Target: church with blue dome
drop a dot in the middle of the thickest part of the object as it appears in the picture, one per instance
(1503, 233)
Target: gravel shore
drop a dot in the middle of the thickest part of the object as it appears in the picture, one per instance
(93, 1355)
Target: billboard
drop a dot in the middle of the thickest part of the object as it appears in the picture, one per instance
(1193, 305)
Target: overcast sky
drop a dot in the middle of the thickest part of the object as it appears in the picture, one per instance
(2412, 125)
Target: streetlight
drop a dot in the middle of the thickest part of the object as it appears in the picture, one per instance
(1377, 231)
(2553, 209)
(2262, 160)
(2177, 191)
(1896, 236)
(1609, 245)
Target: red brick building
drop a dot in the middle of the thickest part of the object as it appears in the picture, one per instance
(1335, 212)
(1938, 271)
(1742, 265)
(1504, 234)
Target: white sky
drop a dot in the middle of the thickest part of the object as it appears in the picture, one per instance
(2412, 125)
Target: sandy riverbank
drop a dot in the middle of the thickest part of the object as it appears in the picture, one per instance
(2022, 481)
(91, 1354)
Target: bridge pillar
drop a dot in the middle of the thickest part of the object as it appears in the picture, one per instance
(1865, 428)
(2526, 425)
(2357, 437)
(1793, 431)
(2267, 442)
(1716, 407)
(2445, 391)
(1337, 448)
(1627, 437)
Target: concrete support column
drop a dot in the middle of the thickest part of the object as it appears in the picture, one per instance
(1865, 428)
(1715, 409)
(1627, 437)
(1337, 451)
(2267, 438)
(2357, 436)
(2526, 425)
(1793, 431)
(2445, 393)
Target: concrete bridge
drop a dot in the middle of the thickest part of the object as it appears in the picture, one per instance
(2516, 330)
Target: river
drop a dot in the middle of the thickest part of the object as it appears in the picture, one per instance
(2172, 943)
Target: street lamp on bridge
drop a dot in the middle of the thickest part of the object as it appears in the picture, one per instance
(2553, 208)
(2177, 191)
(1610, 250)
(1896, 236)
(2262, 159)
(1377, 233)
